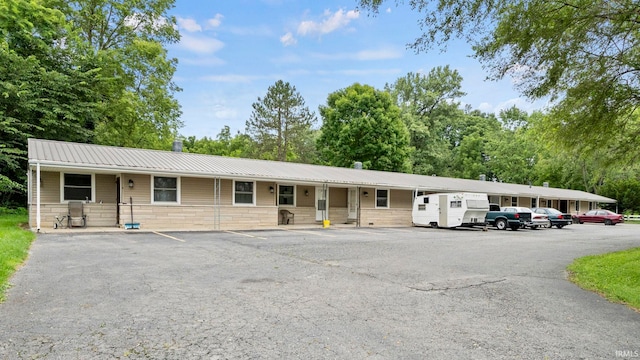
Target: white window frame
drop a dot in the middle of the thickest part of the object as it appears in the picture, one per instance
(178, 194)
(388, 199)
(93, 187)
(294, 195)
(253, 198)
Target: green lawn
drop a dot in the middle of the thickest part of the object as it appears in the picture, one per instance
(14, 244)
(616, 275)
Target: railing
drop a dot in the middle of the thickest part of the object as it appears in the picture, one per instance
(632, 217)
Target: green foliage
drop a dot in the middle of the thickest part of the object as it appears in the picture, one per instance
(126, 39)
(14, 244)
(280, 124)
(428, 110)
(616, 275)
(581, 54)
(363, 124)
(240, 145)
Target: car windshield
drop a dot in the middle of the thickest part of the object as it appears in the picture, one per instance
(554, 211)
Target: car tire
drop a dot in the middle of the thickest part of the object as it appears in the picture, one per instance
(559, 226)
(608, 222)
(501, 224)
(515, 227)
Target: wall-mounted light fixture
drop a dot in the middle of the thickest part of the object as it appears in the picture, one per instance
(271, 189)
(306, 192)
(366, 193)
(130, 183)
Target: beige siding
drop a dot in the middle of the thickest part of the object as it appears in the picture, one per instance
(303, 200)
(141, 191)
(401, 199)
(196, 191)
(106, 189)
(524, 202)
(226, 192)
(49, 187)
(369, 200)
(264, 196)
(338, 197)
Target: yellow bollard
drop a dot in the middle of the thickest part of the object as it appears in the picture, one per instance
(326, 223)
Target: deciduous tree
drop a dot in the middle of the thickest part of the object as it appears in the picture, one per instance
(363, 124)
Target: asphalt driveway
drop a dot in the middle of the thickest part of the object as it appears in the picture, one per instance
(382, 293)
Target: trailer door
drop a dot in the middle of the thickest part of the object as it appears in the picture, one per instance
(443, 208)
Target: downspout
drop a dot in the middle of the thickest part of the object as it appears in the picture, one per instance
(358, 207)
(29, 193)
(38, 197)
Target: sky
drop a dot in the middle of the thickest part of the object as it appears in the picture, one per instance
(230, 52)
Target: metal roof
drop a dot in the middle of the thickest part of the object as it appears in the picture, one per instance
(99, 158)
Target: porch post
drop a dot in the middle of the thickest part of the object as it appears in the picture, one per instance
(38, 197)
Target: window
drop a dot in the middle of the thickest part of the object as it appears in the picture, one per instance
(382, 198)
(455, 204)
(243, 192)
(534, 203)
(578, 205)
(286, 195)
(77, 187)
(514, 201)
(165, 189)
(425, 199)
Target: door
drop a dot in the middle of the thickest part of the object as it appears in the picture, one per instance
(118, 200)
(353, 204)
(443, 205)
(322, 203)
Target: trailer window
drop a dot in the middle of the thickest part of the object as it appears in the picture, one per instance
(425, 200)
(456, 204)
(477, 204)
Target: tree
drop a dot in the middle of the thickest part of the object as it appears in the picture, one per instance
(280, 123)
(46, 90)
(363, 124)
(126, 39)
(225, 144)
(428, 105)
(581, 54)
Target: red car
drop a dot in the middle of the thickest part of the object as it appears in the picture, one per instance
(599, 216)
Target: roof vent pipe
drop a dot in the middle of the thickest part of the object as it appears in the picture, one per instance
(545, 184)
(357, 165)
(177, 146)
(483, 177)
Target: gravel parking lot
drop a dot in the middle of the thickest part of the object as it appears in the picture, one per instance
(344, 293)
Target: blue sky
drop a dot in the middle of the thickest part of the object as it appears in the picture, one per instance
(232, 51)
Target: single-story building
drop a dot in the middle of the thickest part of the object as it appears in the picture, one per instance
(177, 190)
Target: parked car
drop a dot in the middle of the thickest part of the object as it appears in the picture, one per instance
(556, 217)
(599, 216)
(537, 220)
(502, 219)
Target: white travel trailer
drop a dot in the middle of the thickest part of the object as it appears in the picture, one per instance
(450, 210)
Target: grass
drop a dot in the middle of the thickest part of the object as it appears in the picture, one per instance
(14, 244)
(616, 276)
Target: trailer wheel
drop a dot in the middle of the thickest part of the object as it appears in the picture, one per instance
(501, 224)
(434, 225)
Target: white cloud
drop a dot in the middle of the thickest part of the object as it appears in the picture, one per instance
(288, 39)
(189, 25)
(230, 78)
(364, 55)
(330, 23)
(205, 61)
(200, 44)
(388, 10)
(485, 107)
(215, 21)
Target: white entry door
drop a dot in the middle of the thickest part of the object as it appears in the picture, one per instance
(322, 203)
(353, 204)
